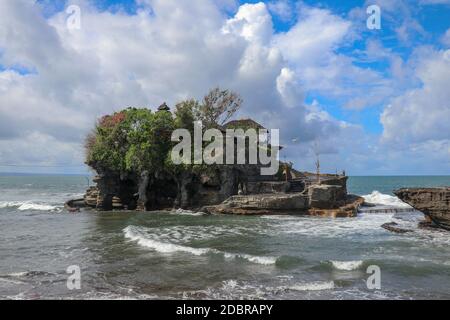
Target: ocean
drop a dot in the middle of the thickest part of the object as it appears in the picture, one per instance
(186, 255)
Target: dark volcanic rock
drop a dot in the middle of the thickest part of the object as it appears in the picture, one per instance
(392, 227)
(433, 202)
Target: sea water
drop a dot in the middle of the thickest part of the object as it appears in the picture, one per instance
(186, 255)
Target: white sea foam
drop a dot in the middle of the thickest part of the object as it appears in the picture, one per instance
(28, 206)
(16, 274)
(37, 207)
(312, 286)
(10, 204)
(379, 198)
(186, 212)
(135, 234)
(254, 259)
(237, 290)
(144, 239)
(347, 265)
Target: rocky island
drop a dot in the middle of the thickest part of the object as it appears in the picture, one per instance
(130, 153)
(433, 202)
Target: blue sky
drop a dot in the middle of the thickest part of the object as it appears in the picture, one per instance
(374, 100)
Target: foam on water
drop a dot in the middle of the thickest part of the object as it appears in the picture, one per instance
(135, 234)
(186, 213)
(254, 259)
(347, 265)
(149, 240)
(379, 198)
(29, 206)
(313, 286)
(10, 204)
(367, 224)
(249, 290)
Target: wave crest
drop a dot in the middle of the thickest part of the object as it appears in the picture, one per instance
(135, 234)
(347, 265)
(28, 206)
(379, 198)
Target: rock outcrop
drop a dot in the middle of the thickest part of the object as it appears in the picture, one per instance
(433, 202)
(320, 200)
(345, 208)
(393, 227)
(226, 191)
(325, 196)
(129, 179)
(262, 204)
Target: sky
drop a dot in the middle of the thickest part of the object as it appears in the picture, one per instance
(370, 101)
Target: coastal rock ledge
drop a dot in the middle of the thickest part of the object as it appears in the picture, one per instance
(296, 203)
(433, 202)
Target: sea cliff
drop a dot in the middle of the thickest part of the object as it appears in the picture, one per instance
(433, 202)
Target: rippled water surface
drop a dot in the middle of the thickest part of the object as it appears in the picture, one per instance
(187, 255)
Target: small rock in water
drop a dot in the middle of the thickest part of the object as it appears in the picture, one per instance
(393, 228)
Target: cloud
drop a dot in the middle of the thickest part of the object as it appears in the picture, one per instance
(253, 22)
(167, 51)
(314, 36)
(171, 50)
(283, 9)
(445, 39)
(420, 115)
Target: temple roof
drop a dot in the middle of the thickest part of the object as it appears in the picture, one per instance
(164, 107)
(243, 124)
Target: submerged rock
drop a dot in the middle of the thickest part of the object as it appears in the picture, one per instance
(75, 205)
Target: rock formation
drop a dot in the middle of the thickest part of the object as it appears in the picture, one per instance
(291, 203)
(130, 151)
(393, 227)
(218, 194)
(433, 202)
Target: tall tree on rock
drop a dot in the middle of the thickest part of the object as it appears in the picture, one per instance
(217, 107)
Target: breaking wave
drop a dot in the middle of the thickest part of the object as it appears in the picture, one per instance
(186, 212)
(28, 206)
(347, 265)
(379, 198)
(254, 259)
(143, 239)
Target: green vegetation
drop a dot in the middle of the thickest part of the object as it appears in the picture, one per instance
(138, 140)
